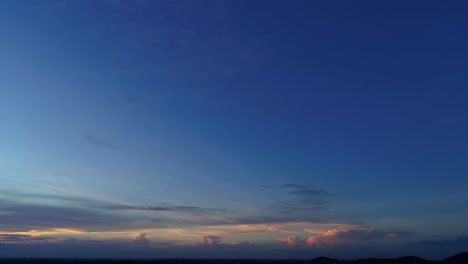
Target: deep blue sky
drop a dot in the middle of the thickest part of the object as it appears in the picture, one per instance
(227, 128)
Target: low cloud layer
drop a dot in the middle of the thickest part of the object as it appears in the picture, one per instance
(16, 238)
(73, 220)
(339, 236)
(22, 212)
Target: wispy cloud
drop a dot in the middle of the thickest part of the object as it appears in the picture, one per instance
(132, 99)
(305, 194)
(98, 141)
(20, 238)
(298, 200)
(23, 217)
(189, 209)
(13, 195)
(32, 211)
(301, 189)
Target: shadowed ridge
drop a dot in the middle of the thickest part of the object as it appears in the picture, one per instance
(411, 260)
(371, 261)
(324, 260)
(461, 258)
(401, 260)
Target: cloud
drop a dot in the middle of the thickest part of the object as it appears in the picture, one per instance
(98, 142)
(338, 236)
(49, 212)
(301, 189)
(21, 212)
(293, 241)
(140, 239)
(268, 219)
(19, 195)
(188, 209)
(19, 238)
(297, 200)
(211, 240)
(10, 237)
(24, 217)
(132, 99)
(77, 216)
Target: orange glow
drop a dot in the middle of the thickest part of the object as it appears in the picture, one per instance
(68, 230)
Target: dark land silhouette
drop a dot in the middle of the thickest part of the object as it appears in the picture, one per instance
(461, 258)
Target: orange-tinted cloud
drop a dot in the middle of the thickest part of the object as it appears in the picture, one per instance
(293, 241)
(338, 236)
(140, 240)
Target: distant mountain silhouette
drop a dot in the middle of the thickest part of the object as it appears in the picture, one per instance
(402, 260)
(323, 260)
(411, 260)
(461, 258)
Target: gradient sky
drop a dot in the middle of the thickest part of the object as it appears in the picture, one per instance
(278, 129)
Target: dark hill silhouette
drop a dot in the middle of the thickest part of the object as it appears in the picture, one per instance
(402, 260)
(461, 258)
(411, 260)
(323, 260)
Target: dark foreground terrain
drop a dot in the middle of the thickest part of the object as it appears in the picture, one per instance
(461, 258)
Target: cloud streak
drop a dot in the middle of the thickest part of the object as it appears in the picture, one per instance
(300, 189)
(132, 99)
(21, 239)
(298, 200)
(339, 236)
(98, 141)
(188, 209)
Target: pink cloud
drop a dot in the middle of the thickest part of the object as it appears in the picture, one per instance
(293, 241)
(338, 236)
(211, 240)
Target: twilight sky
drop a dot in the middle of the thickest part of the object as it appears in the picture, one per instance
(279, 129)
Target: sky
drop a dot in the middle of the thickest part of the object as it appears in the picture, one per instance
(233, 129)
